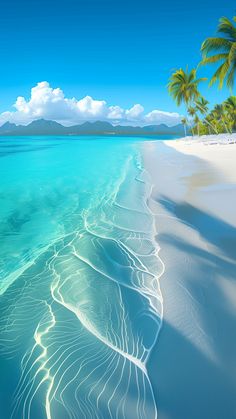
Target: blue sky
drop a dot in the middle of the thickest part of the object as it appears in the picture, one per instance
(118, 51)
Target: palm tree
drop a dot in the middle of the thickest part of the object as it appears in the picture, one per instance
(184, 121)
(192, 112)
(219, 113)
(209, 120)
(212, 120)
(222, 50)
(202, 105)
(183, 86)
(196, 122)
(230, 106)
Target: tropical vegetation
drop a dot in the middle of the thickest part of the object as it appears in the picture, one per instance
(222, 50)
(184, 85)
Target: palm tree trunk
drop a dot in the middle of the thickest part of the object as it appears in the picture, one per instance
(204, 113)
(212, 126)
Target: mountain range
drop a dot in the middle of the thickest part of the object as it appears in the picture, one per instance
(46, 127)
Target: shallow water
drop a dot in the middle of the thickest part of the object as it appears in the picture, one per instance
(80, 301)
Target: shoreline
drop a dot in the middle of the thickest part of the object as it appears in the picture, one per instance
(192, 367)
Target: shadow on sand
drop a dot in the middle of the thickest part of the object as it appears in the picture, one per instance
(214, 230)
(189, 384)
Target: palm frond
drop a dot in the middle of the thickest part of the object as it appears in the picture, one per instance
(200, 80)
(215, 44)
(232, 53)
(183, 86)
(227, 28)
(220, 74)
(223, 48)
(231, 75)
(214, 59)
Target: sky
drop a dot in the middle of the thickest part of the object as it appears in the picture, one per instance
(101, 58)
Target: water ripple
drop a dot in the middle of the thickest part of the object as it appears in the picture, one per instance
(84, 314)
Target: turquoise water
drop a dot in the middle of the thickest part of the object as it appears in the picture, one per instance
(79, 294)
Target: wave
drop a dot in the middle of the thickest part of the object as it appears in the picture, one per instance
(82, 319)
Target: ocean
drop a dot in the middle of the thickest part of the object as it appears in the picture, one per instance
(80, 300)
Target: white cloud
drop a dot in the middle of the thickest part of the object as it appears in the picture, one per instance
(161, 117)
(48, 103)
(135, 113)
(89, 107)
(115, 113)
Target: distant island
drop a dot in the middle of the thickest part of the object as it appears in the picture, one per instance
(46, 127)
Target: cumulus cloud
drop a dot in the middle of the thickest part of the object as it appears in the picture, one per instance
(135, 113)
(49, 103)
(161, 117)
(115, 113)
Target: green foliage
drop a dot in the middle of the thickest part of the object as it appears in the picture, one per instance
(183, 85)
(221, 119)
(222, 50)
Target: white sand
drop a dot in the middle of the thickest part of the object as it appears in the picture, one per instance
(218, 150)
(193, 366)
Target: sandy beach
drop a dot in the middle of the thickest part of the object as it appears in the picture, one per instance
(193, 366)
